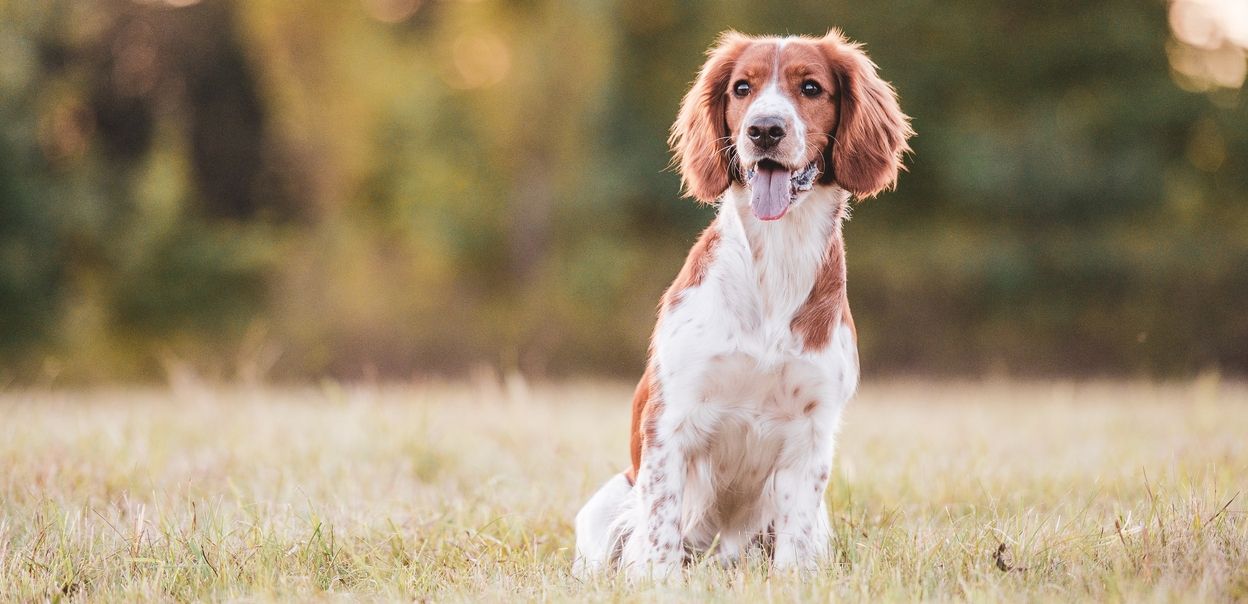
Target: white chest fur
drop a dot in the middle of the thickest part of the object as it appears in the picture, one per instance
(734, 332)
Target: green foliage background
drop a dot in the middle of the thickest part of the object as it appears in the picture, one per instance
(297, 189)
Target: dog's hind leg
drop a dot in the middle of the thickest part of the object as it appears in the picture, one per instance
(595, 541)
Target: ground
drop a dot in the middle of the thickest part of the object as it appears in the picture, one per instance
(988, 491)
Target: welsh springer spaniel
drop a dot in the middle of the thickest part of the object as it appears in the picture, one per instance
(754, 354)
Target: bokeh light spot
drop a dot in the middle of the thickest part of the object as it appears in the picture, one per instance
(1211, 44)
(480, 60)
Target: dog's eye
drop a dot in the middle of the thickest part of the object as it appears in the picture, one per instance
(741, 88)
(811, 88)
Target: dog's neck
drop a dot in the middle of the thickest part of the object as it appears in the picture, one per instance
(788, 254)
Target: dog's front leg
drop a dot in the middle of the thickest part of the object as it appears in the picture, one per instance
(803, 534)
(656, 546)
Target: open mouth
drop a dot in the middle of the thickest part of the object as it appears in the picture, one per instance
(774, 187)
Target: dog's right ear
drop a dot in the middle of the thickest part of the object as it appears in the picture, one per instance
(870, 140)
(699, 139)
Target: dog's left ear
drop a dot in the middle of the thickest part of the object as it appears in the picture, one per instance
(870, 139)
(699, 139)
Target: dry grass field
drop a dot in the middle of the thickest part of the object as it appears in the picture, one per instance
(440, 492)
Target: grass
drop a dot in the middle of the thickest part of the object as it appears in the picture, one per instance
(1089, 491)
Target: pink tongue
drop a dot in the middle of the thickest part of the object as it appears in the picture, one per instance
(769, 192)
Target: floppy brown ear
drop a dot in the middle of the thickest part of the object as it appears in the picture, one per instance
(871, 132)
(699, 139)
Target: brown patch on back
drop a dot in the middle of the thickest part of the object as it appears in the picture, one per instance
(647, 403)
(847, 319)
(696, 265)
(827, 302)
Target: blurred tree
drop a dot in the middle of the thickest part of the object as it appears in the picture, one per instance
(410, 186)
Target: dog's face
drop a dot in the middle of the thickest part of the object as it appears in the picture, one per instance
(783, 115)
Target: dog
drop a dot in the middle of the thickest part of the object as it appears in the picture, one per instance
(754, 354)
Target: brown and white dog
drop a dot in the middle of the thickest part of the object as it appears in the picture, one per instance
(754, 354)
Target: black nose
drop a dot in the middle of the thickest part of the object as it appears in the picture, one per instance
(766, 131)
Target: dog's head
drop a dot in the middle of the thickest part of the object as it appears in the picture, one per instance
(783, 115)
